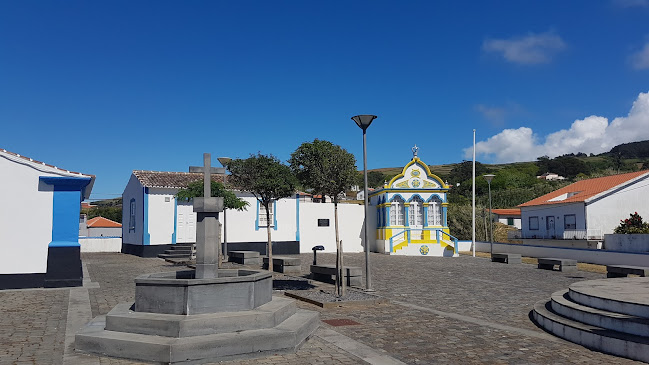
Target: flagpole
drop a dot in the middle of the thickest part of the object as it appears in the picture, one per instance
(473, 221)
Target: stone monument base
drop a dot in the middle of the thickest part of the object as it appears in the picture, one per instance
(275, 327)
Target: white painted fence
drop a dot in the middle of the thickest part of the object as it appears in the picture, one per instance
(593, 256)
(100, 244)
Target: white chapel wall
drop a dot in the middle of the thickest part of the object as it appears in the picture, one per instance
(25, 219)
(161, 216)
(241, 225)
(133, 190)
(350, 220)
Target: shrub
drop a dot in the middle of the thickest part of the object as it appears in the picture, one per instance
(631, 225)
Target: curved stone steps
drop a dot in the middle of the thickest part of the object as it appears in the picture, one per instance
(622, 295)
(597, 338)
(634, 325)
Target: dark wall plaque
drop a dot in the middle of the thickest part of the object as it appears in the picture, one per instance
(323, 222)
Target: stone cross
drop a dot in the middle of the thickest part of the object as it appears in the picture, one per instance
(208, 228)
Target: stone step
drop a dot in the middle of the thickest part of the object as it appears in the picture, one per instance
(593, 337)
(271, 314)
(173, 255)
(621, 295)
(285, 337)
(562, 305)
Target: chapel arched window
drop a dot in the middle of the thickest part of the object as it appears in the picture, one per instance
(435, 211)
(397, 211)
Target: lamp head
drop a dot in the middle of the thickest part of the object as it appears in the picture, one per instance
(489, 177)
(364, 120)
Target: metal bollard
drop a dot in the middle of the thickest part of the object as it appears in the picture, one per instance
(315, 250)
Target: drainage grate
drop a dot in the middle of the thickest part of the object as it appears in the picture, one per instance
(340, 322)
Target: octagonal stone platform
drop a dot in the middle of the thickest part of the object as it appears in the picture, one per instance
(179, 293)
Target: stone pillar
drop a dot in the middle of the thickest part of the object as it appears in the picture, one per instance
(208, 240)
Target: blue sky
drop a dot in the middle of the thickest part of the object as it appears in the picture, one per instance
(107, 87)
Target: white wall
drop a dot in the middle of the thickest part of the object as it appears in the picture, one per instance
(606, 213)
(558, 211)
(241, 224)
(350, 220)
(503, 220)
(100, 244)
(133, 190)
(103, 232)
(25, 218)
(161, 215)
(600, 257)
(627, 242)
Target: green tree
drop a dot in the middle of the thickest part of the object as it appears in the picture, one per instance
(330, 170)
(195, 189)
(265, 177)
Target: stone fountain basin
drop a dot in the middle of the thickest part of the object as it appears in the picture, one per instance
(180, 293)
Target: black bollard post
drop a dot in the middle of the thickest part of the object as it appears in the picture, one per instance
(315, 250)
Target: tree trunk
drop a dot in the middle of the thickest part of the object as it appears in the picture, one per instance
(270, 243)
(340, 271)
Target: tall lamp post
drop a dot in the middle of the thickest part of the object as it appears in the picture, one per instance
(224, 161)
(364, 121)
(490, 177)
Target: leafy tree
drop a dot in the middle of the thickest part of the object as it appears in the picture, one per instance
(112, 213)
(195, 189)
(631, 225)
(330, 170)
(265, 177)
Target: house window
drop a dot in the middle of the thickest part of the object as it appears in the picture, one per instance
(510, 221)
(534, 223)
(416, 212)
(435, 212)
(131, 220)
(397, 211)
(569, 221)
(262, 216)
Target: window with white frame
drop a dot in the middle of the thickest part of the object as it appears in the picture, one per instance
(416, 212)
(435, 211)
(570, 221)
(534, 223)
(131, 220)
(262, 216)
(397, 211)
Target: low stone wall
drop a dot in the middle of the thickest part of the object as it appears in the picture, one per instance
(627, 242)
(100, 244)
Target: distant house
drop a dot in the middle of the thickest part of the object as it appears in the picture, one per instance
(550, 176)
(39, 223)
(587, 209)
(510, 217)
(103, 227)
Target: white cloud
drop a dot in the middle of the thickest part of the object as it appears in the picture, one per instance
(589, 135)
(531, 49)
(640, 59)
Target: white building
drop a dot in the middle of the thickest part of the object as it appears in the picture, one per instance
(587, 209)
(411, 214)
(153, 219)
(510, 217)
(39, 223)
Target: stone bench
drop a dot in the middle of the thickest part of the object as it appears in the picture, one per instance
(288, 265)
(621, 271)
(507, 258)
(566, 265)
(327, 273)
(244, 257)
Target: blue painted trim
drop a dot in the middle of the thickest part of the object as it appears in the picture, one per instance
(388, 221)
(275, 215)
(397, 195)
(406, 217)
(415, 195)
(430, 198)
(297, 217)
(257, 220)
(444, 216)
(146, 236)
(66, 205)
(425, 216)
(173, 235)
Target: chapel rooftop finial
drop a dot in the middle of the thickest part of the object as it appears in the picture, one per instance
(414, 151)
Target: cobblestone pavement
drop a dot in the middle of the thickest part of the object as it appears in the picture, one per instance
(443, 310)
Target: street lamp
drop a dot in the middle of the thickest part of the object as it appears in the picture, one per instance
(224, 161)
(490, 177)
(364, 121)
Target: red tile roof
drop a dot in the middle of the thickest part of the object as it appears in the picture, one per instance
(582, 190)
(101, 222)
(514, 211)
(165, 179)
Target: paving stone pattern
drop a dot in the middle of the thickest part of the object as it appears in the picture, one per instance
(461, 310)
(32, 326)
